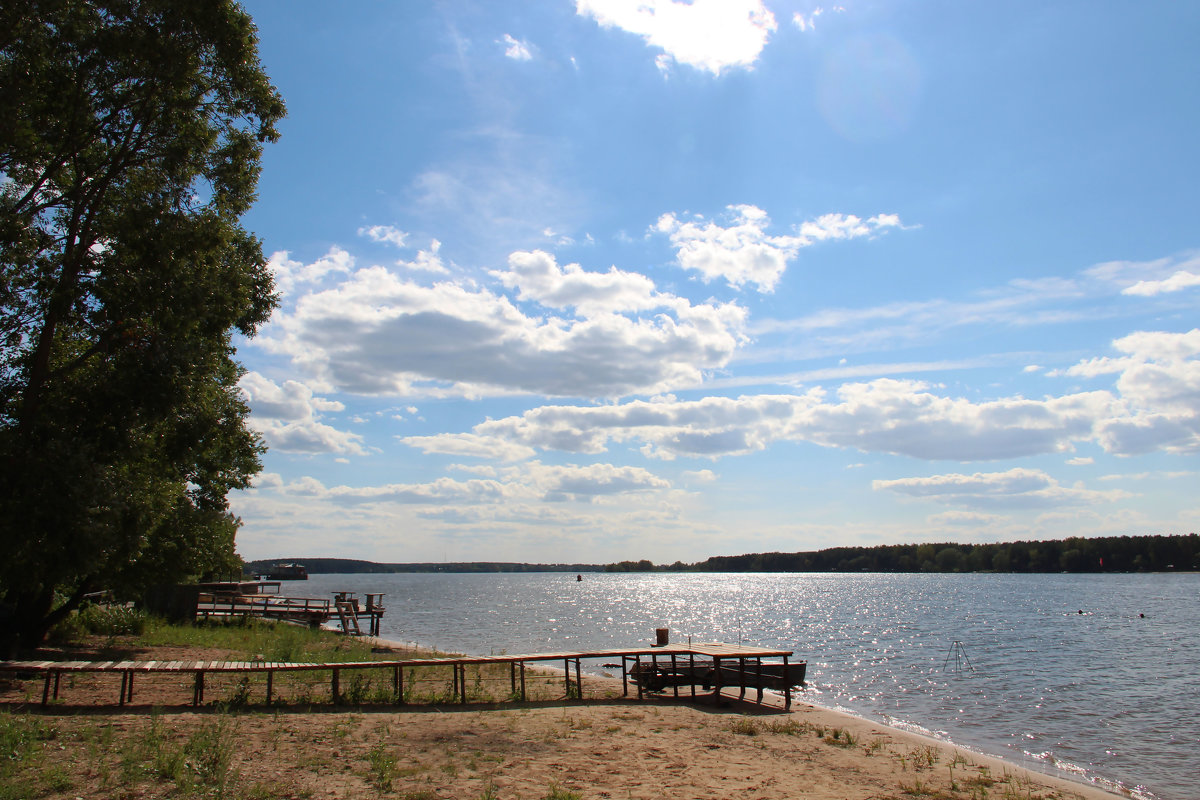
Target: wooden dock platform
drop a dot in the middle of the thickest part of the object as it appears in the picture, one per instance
(650, 669)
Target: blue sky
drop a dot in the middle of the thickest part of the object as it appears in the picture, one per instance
(614, 280)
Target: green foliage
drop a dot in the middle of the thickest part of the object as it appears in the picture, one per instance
(130, 148)
(382, 763)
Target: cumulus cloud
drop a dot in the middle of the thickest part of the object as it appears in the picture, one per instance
(288, 417)
(290, 274)
(427, 260)
(743, 252)
(710, 35)
(1156, 406)
(1014, 488)
(885, 415)
(376, 333)
(591, 482)
(1159, 383)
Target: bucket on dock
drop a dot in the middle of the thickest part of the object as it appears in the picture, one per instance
(662, 637)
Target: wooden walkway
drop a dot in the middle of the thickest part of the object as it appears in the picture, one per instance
(651, 669)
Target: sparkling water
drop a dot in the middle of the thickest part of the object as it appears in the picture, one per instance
(1092, 675)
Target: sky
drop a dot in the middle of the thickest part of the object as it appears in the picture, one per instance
(644, 279)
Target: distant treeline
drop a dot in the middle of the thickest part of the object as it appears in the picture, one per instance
(1106, 554)
(317, 566)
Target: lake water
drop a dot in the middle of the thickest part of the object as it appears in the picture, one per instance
(1105, 695)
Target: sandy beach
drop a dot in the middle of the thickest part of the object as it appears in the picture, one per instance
(604, 746)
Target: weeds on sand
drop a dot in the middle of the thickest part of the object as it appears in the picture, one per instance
(382, 762)
(558, 793)
(840, 738)
(749, 726)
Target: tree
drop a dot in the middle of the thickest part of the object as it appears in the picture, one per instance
(129, 150)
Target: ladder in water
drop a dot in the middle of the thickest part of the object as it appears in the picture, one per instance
(959, 653)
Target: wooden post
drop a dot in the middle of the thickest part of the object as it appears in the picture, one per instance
(692, 672)
(522, 681)
(624, 676)
(512, 677)
(675, 675)
(124, 682)
(270, 684)
(57, 675)
(462, 671)
(398, 684)
(716, 678)
(637, 666)
(198, 690)
(567, 674)
(742, 678)
(760, 679)
(333, 685)
(787, 686)
(46, 689)
(578, 679)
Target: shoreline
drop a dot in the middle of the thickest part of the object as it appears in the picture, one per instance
(1086, 788)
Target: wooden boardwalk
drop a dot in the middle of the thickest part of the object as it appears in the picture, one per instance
(650, 669)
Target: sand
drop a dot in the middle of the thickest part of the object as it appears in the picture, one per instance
(604, 746)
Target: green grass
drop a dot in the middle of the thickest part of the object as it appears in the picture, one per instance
(258, 640)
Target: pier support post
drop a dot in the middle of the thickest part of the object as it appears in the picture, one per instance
(787, 685)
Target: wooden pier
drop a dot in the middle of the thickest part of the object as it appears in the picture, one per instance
(652, 670)
(314, 611)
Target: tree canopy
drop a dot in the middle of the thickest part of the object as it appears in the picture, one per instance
(129, 150)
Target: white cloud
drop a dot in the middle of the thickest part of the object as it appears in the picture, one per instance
(744, 253)
(385, 233)
(712, 35)
(1148, 278)
(427, 260)
(1014, 488)
(469, 444)
(290, 274)
(1081, 461)
(531, 482)
(591, 482)
(1177, 282)
(375, 333)
(516, 49)
(1156, 407)
(288, 417)
(538, 277)
(890, 416)
(1159, 383)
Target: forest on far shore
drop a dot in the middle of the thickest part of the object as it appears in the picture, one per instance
(1106, 554)
(1077, 554)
